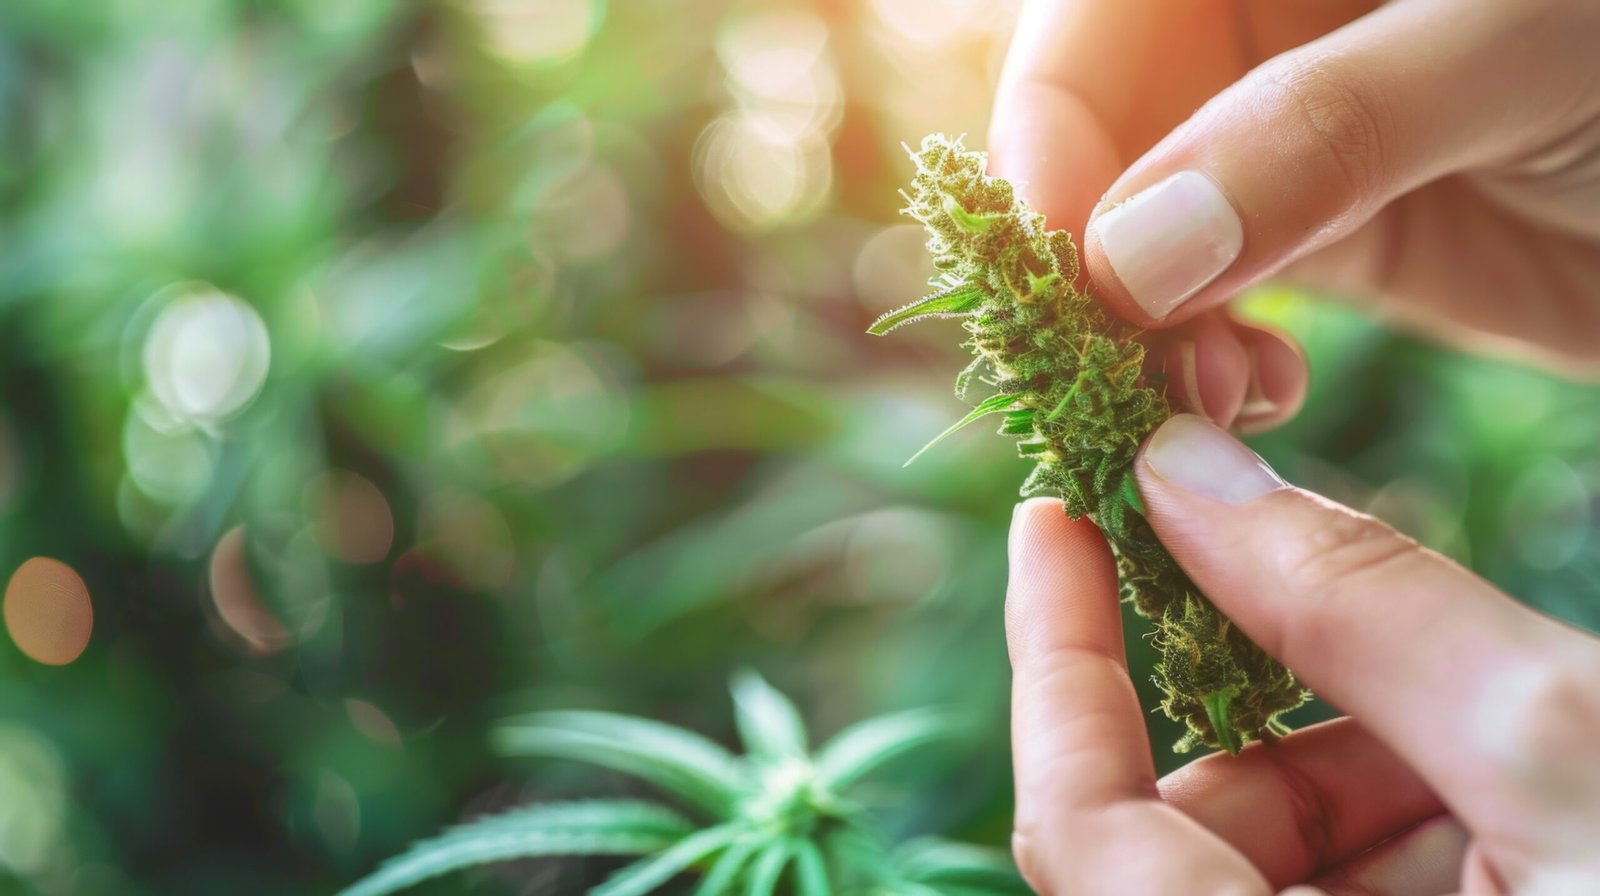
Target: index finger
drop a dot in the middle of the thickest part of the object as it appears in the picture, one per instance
(1075, 715)
(1089, 817)
(1075, 103)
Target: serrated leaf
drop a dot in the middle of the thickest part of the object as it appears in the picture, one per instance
(768, 868)
(958, 299)
(679, 761)
(769, 723)
(600, 827)
(646, 874)
(810, 871)
(724, 873)
(936, 861)
(994, 404)
(864, 746)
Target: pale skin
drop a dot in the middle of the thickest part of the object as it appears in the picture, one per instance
(1438, 160)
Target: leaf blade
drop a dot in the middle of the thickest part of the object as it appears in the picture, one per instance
(599, 827)
(863, 747)
(994, 404)
(958, 299)
(810, 870)
(646, 874)
(770, 862)
(933, 861)
(769, 722)
(678, 761)
(725, 872)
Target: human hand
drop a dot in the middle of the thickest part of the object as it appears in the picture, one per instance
(1470, 761)
(1438, 157)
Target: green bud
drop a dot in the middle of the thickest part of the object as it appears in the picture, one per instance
(1069, 379)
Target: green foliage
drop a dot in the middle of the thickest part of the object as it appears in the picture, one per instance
(774, 816)
(1070, 380)
(627, 436)
(598, 827)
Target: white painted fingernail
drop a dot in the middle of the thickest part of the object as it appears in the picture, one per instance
(1191, 453)
(1168, 241)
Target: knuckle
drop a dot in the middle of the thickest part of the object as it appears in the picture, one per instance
(1347, 116)
(1548, 717)
(1311, 813)
(1350, 552)
(1348, 548)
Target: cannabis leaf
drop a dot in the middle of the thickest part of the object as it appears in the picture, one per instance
(778, 819)
(600, 827)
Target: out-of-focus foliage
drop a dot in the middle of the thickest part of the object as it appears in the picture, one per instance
(779, 819)
(382, 367)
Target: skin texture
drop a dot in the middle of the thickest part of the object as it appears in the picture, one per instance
(1479, 774)
(1438, 161)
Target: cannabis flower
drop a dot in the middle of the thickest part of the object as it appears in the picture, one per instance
(1069, 382)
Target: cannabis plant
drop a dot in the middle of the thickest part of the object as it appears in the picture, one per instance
(1069, 382)
(777, 820)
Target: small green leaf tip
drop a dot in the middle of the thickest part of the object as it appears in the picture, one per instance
(1070, 380)
(1218, 704)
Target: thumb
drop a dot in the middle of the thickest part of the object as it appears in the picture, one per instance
(1455, 676)
(1311, 144)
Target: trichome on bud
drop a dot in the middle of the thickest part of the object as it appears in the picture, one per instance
(1069, 383)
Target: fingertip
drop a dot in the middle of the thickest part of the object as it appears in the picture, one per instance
(1063, 580)
(1041, 530)
(1208, 369)
(1279, 377)
(1029, 516)
(1055, 151)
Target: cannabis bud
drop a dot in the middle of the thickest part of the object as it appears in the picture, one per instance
(1069, 383)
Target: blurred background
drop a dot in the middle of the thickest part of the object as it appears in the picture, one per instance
(372, 369)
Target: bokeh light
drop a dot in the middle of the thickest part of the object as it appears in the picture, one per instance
(754, 174)
(372, 722)
(469, 535)
(1554, 510)
(33, 812)
(542, 420)
(892, 267)
(767, 161)
(583, 217)
(350, 516)
(778, 64)
(167, 458)
(206, 355)
(47, 611)
(936, 23)
(238, 601)
(547, 31)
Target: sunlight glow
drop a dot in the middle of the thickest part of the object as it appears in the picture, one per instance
(546, 31)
